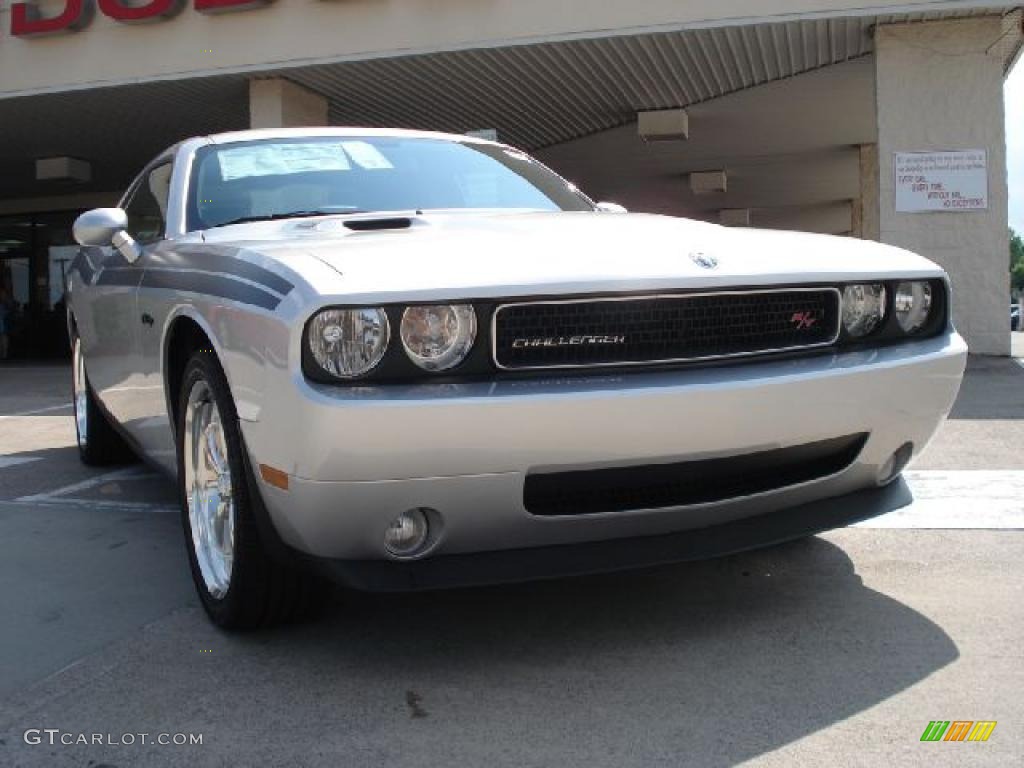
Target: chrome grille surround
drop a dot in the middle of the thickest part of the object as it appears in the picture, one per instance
(607, 338)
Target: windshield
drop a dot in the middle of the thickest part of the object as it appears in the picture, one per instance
(277, 178)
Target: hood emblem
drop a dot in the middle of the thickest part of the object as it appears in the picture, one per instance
(702, 259)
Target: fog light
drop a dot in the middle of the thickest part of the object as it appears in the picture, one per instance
(407, 533)
(895, 464)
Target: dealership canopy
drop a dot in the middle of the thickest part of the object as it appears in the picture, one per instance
(780, 113)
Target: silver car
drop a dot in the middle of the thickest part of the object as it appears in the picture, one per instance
(409, 360)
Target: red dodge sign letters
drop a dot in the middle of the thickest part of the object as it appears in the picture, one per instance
(27, 21)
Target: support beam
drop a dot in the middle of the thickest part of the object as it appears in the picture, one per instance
(63, 169)
(832, 218)
(708, 182)
(940, 88)
(663, 125)
(734, 217)
(278, 103)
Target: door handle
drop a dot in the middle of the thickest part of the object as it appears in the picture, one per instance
(147, 319)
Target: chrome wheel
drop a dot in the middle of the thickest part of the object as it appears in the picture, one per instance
(80, 393)
(209, 490)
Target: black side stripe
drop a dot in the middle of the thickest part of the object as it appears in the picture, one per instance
(81, 263)
(206, 261)
(122, 276)
(220, 286)
(114, 260)
(85, 271)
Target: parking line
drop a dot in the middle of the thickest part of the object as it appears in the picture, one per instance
(118, 474)
(962, 499)
(16, 461)
(35, 412)
(91, 505)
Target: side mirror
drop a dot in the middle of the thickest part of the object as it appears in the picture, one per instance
(611, 208)
(105, 227)
(98, 226)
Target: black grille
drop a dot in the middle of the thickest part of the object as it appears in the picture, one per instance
(663, 329)
(656, 486)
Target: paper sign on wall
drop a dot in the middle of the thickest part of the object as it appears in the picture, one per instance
(941, 181)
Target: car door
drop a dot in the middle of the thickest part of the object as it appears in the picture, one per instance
(141, 398)
(110, 320)
(106, 311)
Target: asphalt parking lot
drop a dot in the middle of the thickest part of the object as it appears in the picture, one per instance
(838, 649)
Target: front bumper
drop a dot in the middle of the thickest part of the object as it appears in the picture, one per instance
(357, 457)
(516, 565)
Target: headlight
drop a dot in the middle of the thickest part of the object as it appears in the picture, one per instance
(348, 343)
(439, 337)
(913, 305)
(863, 308)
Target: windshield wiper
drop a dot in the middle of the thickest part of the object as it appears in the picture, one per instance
(288, 215)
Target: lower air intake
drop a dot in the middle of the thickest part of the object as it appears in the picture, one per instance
(657, 486)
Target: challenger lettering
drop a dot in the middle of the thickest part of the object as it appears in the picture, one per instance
(567, 341)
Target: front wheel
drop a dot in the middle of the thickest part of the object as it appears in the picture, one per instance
(241, 586)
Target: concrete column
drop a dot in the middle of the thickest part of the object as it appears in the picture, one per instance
(278, 103)
(865, 208)
(940, 87)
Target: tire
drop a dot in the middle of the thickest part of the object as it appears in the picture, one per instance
(239, 583)
(98, 443)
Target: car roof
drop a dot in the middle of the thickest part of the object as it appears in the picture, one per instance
(317, 132)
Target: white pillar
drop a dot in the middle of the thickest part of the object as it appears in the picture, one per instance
(278, 103)
(940, 87)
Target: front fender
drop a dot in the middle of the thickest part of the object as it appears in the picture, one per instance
(245, 342)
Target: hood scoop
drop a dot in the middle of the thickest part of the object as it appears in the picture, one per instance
(369, 225)
(366, 222)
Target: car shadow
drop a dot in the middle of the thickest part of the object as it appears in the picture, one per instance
(709, 663)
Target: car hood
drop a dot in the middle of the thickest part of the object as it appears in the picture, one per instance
(486, 254)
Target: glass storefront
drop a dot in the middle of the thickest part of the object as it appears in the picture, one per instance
(35, 252)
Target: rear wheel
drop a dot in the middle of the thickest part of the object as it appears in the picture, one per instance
(98, 443)
(240, 584)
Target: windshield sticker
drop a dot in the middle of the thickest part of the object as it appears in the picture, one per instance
(366, 156)
(281, 159)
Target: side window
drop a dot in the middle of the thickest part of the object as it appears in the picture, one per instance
(147, 208)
